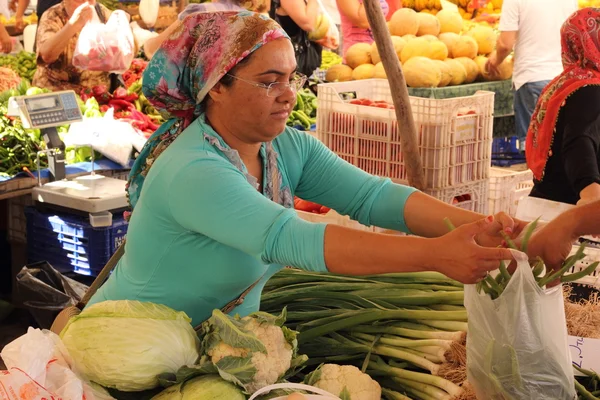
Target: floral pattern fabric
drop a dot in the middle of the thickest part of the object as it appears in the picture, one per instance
(580, 43)
(61, 74)
(186, 67)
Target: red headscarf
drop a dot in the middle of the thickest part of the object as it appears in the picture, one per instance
(580, 42)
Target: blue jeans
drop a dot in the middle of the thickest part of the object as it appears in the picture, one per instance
(525, 101)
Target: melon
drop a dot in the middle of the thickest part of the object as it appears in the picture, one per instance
(446, 73)
(364, 71)
(449, 38)
(485, 38)
(415, 48)
(421, 72)
(471, 67)
(506, 68)
(458, 72)
(404, 22)
(438, 51)
(481, 62)
(398, 43)
(465, 46)
(428, 25)
(358, 54)
(450, 21)
(429, 38)
(408, 37)
(338, 73)
(379, 71)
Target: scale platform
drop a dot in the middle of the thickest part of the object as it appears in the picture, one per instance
(89, 193)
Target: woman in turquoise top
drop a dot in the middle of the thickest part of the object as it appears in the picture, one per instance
(213, 188)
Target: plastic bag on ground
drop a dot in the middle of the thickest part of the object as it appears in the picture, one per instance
(105, 47)
(46, 292)
(517, 344)
(39, 368)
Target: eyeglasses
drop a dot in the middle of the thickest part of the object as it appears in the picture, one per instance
(277, 89)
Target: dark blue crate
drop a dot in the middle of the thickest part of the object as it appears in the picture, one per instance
(505, 145)
(70, 242)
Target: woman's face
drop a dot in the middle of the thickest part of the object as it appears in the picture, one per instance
(245, 109)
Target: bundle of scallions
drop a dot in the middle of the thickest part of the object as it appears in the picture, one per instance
(405, 330)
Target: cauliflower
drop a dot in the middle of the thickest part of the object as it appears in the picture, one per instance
(252, 352)
(346, 382)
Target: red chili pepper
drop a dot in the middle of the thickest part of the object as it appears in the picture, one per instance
(119, 105)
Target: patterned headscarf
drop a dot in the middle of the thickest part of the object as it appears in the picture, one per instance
(187, 66)
(580, 42)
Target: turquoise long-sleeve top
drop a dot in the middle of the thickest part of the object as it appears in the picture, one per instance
(201, 234)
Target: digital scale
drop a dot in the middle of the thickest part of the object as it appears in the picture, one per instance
(92, 194)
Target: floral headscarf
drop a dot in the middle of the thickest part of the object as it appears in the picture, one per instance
(187, 66)
(580, 42)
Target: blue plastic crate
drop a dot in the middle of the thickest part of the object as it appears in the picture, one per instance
(69, 242)
(505, 152)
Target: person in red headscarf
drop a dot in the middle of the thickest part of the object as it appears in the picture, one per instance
(563, 141)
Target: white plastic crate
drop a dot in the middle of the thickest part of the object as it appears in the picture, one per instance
(334, 218)
(507, 187)
(591, 255)
(454, 134)
(470, 196)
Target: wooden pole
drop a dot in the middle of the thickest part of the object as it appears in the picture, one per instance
(391, 65)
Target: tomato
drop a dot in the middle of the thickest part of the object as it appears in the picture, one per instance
(307, 206)
(324, 210)
(382, 105)
(366, 102)
(357, 102)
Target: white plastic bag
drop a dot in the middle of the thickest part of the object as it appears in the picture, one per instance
(517, 345)
(105, 47)
(112, 138)
(148, 10)
(326, 32)
(39, 367)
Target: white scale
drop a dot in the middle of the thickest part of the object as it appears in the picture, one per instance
(94, 194)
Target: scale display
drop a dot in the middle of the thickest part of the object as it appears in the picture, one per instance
(49, 109)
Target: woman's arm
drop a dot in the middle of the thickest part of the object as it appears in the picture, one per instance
(211, 197)
(152, 44)
(5, 40)
(553, 242)
(354, 11)
(303, 14)
(54, 40)
(327, 179)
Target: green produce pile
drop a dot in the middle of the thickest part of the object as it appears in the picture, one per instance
(329, 58)
(110, 4)
(18, 146)
(22, 63)
(304, 114)
(494, 287)
(407, 331)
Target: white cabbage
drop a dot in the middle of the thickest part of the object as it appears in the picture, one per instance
(125, 344)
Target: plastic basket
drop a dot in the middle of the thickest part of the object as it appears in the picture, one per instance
(334, 218)
(591, 255)
(454, 134)
(507, 188)
(70, 243)
(471, 196)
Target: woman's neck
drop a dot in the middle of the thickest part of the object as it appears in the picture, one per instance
(247, 151)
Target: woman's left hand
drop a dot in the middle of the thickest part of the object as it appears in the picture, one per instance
(502, 222)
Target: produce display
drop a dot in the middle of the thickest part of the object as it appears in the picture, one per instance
(490, 11)
(304, 115)
(22, 63)
(434, 50)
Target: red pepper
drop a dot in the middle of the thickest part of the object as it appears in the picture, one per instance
(104, 108)
(120, 93)
(120, 105)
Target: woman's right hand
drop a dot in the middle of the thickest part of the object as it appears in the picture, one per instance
(458, 256)
(5, 41)
(81, 16)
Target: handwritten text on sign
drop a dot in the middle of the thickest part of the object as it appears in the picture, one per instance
(585, 353)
